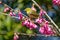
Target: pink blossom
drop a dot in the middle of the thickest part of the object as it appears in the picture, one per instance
(6, 9)
(35, 26)
(15, 37)
(46, 22)
(29, 24)
(20, 15)
(33, 8)
(45, 29)
(41, 13)
(40, 20)
(56, 2)
(37, 20)
(41, 30)
(32, 25)
(24, 22)
(0, 2)
(12, 14)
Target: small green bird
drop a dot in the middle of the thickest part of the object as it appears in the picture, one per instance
(32, 12)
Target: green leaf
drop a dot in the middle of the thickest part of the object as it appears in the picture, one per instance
(9, 34)
(6, 37)
(7, 23)
(1, 37)
(23, 29)
(0, 23)
(20, 5)
(19, 1)
(29, 31)
(2, 17)
(1, 9)
(17, 27)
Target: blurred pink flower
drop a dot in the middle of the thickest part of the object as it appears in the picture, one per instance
(24, 22)
(12, 13)
(33, 8)
(20, 15)
(15, 36)
(41, 30)
(45, 29)
(32, 25)
(0, 2)
(56, 2)
(35, 26)
(42, 12)
(40, 20)
(29, 24)
(6, 9)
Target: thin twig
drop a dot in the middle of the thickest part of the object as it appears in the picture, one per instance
(35, 34)
(9, 15)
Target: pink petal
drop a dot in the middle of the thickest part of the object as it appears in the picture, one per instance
(41, 30)
(5, 10)
(35, 26)
(33, 8)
